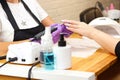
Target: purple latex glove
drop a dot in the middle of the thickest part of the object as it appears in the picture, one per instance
(61, 28)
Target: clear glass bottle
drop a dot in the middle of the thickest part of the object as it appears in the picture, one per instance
(46, 54)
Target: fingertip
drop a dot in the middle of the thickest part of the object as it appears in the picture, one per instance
(66, 20)
(67, 24)
(62, 20)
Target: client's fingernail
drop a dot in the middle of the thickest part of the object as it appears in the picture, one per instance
(63, 20)
(67, 24)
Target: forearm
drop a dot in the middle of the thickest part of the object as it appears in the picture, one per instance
(47, 21)
(106, 41)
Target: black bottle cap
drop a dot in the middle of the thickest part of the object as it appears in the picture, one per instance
(62, 42)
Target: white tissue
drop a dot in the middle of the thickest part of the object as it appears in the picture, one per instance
(84, 47)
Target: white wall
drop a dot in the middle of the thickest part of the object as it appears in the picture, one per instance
(70, 9)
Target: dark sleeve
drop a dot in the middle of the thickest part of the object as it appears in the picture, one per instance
(117, 50)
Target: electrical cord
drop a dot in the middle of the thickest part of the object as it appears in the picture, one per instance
(2, 57)
(30, 70)
(10, 60)
(15, 59)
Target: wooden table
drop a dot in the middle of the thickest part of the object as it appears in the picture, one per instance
(97, 63)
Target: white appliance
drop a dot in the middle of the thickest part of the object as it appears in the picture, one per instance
(114, 14)
(106, 25)
(26, 52)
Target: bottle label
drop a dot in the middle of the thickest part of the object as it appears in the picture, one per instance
(47, 58)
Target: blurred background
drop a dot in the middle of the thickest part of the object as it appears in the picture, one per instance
(70, 9)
